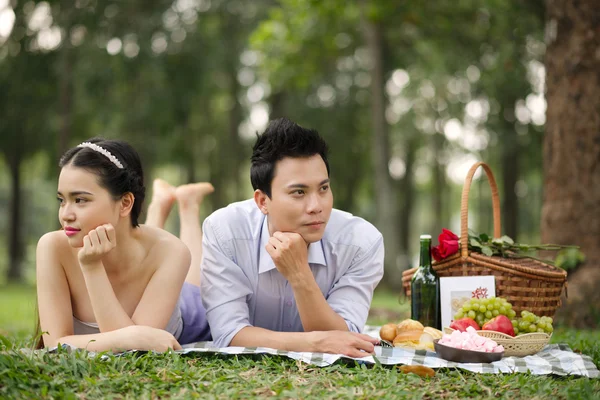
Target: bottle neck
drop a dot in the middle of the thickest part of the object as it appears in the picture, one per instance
(425, 257)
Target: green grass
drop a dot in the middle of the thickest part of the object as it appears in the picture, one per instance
(17, 310)
(76, 375)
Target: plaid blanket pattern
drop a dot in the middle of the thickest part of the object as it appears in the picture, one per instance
(557, 359)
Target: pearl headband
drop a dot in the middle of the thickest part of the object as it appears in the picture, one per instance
(103, 151)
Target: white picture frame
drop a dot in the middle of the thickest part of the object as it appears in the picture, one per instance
(455, 290)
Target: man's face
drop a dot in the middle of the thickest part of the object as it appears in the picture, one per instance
(301, 199)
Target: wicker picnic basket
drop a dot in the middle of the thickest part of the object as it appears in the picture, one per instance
(527, 284)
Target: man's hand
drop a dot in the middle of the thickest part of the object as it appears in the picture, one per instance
(351, 344)
(290, 255)
(96, 244)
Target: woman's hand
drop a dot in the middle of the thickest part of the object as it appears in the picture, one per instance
(134, 337)
(141, 337)
(96, 244)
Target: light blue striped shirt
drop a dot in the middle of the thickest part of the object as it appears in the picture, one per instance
(242, 287)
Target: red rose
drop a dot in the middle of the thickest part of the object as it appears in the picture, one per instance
(448, 245)
(435, 252)
(447, 235)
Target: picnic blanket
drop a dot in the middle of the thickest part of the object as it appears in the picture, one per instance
(557, 359)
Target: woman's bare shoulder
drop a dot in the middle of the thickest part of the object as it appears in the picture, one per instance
(55, 241)
(156, 238)
(53, 247)
(160, 242)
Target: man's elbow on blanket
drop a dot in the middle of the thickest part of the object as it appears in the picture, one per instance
(224, 338)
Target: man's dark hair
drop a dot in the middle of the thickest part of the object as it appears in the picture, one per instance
(282, 138)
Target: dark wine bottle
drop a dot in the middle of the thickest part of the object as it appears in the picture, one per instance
(425, 289)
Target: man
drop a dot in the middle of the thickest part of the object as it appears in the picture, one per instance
(285, 270)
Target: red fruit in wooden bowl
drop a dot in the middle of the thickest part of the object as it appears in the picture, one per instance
(463, 323)
(501, 323)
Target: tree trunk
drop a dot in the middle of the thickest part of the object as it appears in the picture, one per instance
(190, 164)
(65, 19)
(407, 188)
(510, 175)
(233, 35)
(439, 185)
(571, 209)
(385, 202)
(235, 149)
(15, 245)
(216, 176)
(277, 105)
(66, 101)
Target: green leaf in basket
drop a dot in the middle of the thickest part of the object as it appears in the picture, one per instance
(484, 237)
(487, 251)
(569, 258)
(523, 247)
(498, 242)
(475, 243)
(507, 239)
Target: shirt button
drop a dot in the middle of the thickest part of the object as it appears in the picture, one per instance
(289, 325)
(288, 303)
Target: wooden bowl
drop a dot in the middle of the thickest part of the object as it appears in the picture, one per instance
(465, 356)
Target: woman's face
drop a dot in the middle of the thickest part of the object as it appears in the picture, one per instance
(83, 204)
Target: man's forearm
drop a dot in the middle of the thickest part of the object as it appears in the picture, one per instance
(251, 336)
(315, 313)
(333, 342)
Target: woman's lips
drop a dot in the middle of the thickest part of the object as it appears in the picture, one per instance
(71, 231)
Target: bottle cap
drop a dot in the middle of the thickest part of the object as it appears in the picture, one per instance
(425, 237)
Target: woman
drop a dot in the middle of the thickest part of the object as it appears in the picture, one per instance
(104, 281)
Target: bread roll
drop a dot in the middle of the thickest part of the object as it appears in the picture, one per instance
(409, 325)
(420, 370)
(436, 334)
(388, 332)
(408, 336)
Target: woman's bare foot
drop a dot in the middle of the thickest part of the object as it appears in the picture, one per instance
(163, 197)
(192, 194)
(163, 193)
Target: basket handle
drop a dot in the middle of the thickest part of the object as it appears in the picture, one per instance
(464, 207)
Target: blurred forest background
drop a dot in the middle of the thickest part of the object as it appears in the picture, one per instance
(408, 94)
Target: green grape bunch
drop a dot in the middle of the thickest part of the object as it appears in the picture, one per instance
(530, 323)
(483, 310)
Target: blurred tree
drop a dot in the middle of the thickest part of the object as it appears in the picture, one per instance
(571, 212)
(385, 197)
(27, 101)
(424, 70)
(315, 47)
(406, 93)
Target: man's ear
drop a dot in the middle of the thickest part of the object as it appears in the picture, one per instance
(127, 201)
(261, 200)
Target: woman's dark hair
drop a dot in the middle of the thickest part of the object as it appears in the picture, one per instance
(117, 181)
(283, 138)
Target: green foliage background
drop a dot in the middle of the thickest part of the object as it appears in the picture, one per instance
(189, 83)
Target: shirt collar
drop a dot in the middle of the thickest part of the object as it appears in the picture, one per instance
(316, 254)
